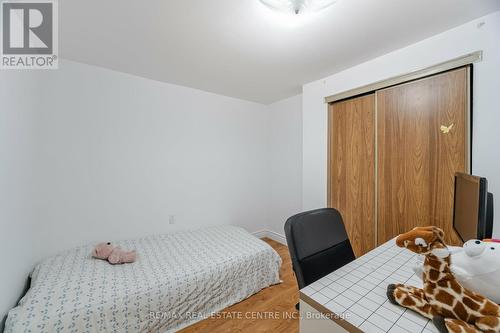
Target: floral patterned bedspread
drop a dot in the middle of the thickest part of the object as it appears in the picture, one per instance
(178, 279)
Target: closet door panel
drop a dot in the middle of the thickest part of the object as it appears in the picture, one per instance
(351, 168)
(422, 141)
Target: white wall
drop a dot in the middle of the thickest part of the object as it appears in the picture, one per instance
(89, 154)
(285, 147)
(117, 155)
(93, 154)
(450, 44)
(17, 108)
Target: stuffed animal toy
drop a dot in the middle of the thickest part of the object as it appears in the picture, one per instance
(476, 266)
(102, 251)
(443, 299)
(114, 254)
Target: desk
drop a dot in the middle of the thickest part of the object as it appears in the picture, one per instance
(353, 298)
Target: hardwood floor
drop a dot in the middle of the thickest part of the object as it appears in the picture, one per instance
(270, 310)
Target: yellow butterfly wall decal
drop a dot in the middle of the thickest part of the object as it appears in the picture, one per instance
(445, 129)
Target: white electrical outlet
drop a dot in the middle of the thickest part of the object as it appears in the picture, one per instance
(171, 219)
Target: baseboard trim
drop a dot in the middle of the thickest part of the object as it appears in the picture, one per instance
(270, 234)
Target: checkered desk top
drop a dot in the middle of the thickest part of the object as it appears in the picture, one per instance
(358, 290)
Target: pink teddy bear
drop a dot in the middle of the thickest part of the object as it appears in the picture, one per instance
(114, 254)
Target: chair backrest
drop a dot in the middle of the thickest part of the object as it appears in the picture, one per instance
(318, 244)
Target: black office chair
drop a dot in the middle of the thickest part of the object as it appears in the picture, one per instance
(318, 244)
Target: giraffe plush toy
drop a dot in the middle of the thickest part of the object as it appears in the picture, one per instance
(452, 307)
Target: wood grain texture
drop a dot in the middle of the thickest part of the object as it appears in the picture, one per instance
(416, 159)
(351, 168)
(279, 299)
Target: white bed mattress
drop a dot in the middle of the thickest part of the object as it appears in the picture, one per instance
(177, 280)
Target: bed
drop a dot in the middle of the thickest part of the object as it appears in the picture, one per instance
(178, 279)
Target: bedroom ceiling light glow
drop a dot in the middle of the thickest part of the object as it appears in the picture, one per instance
(298, 6)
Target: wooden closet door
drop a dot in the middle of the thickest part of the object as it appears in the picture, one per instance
(351, 166)
(422, 142)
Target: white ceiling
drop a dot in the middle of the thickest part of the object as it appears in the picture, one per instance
(242, 49)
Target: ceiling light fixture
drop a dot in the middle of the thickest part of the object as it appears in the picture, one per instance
(298, 6)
